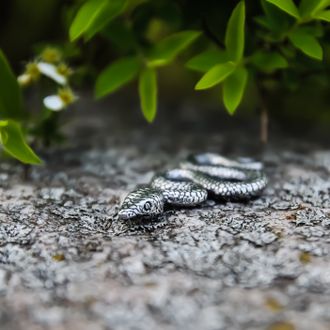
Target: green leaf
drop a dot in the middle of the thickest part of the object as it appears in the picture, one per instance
(269, 61)
(121, 36)
(276, 20)
(167, 49)
(148, 93)
(323, 15)
(287, 6)
(262, 21)
(215, 75)
(13, 142)
(11, 105)
(207, 59)
(106, 15)
(233, 89)
(315, 30)
(116, 75)
(308, 8)
(86, 16)
(307, 43)
(234, 39)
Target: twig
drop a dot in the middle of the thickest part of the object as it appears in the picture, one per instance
(264, 118)
(26, 172)
(211, 35)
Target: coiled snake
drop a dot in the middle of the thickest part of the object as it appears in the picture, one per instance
(200, 177)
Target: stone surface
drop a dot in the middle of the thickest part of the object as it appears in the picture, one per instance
(67, 263)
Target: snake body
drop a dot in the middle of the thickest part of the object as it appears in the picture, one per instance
(198, 178)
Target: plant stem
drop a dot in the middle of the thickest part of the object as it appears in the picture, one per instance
(209, 34)
(264, 118)
(26, 172)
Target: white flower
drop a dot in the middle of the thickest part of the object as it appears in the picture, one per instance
(58, 102)
(24, 79)
(32, 73)
(51, 71)
(51, 55)
(34, 69)
(54, 102)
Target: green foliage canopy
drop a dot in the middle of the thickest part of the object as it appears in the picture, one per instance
(281, 30)
(229, 46)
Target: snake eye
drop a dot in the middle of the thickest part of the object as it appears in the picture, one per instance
(147, 206)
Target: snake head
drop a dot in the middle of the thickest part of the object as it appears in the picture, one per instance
(142, 202)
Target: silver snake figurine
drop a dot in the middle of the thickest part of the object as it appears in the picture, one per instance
(198, 178)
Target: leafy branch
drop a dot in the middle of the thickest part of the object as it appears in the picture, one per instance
(283, 25)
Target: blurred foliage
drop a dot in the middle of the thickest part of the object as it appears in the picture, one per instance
(275, 53)
(267, 45)
(11, 136)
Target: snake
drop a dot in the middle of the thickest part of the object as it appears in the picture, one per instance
(198, 178)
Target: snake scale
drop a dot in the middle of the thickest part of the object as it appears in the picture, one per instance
(196, 179)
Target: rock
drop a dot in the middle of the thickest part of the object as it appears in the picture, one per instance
(66, 262)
